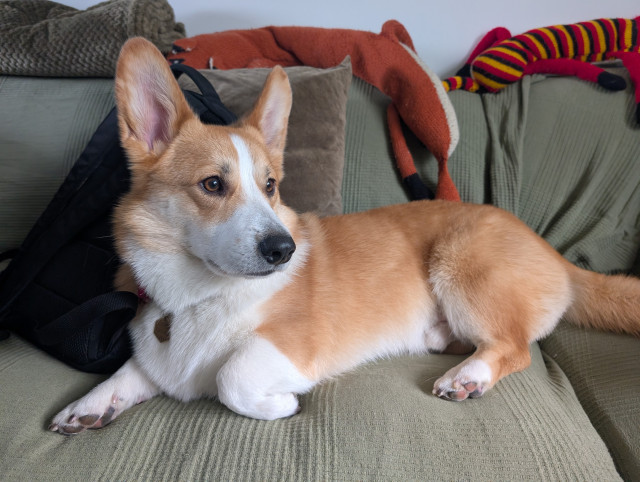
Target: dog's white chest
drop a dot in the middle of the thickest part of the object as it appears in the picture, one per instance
(200, 340)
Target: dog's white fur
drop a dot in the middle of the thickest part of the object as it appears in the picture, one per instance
(254, 330)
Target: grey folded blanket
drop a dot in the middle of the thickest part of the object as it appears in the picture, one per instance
(44, 38)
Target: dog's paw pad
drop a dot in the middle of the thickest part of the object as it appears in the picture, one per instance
(469, 380)
(75, 424)
(88, 420)
(457, 392)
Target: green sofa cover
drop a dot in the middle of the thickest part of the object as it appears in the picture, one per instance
(561, 154)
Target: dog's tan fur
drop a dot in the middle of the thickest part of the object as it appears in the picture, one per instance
(415, 277)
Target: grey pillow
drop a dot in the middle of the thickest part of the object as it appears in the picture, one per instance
(314, 156)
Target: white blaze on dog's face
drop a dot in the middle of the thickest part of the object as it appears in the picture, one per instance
(252, 240)
(212, 190)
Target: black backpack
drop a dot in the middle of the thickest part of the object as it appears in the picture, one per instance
(57, 290)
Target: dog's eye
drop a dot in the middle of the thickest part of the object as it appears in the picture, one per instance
(212, 184)
(271, 186)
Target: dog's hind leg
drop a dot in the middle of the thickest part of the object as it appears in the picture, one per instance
(478, 373)
(127, 387)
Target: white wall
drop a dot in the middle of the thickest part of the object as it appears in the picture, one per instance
(444, 32)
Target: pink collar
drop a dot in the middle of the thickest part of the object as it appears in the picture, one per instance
(143, 297)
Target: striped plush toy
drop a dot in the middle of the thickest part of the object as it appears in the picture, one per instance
(500, 59)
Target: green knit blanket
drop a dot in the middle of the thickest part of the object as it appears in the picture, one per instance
(44, 38)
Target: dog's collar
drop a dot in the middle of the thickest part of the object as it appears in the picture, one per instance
(143, 297)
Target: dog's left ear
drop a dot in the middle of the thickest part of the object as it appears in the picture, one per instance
(151, 106)
(270, 115)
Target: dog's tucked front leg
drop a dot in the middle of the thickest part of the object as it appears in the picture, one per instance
(258, 381)
(127, 387)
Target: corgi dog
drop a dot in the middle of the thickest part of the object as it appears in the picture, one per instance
(254, 304)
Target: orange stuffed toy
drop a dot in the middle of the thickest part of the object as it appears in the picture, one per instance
(386, 60)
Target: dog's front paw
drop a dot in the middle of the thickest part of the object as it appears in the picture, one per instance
(266, 407)
(277, 406)
(470, 379)
(86, 413)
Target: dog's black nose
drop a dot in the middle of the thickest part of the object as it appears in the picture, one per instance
(277, 249)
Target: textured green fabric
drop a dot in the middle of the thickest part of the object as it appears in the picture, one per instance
(575, 179)
(380, 421)
(377, 422)
(604, 370)
(45, 38)
(370, 178)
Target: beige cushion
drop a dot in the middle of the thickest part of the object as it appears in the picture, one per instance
(314, 156)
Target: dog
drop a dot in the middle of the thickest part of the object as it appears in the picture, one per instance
(259, 304)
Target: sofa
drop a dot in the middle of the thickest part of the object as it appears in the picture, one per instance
(561, 154)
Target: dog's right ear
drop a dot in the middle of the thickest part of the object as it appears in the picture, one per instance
(151, 106)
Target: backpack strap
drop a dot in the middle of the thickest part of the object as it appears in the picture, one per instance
(207, 105)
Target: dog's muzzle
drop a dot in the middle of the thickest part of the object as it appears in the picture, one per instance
(277, 249)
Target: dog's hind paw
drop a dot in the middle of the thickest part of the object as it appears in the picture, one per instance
(458, 392)
(470, 379)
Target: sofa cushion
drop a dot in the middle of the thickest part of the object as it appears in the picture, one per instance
(581, 190)
(574, 178)
(562, 155)
(378, 422)
(604, 369)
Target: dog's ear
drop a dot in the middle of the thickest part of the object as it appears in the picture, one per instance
(151, 106)
(270, 115)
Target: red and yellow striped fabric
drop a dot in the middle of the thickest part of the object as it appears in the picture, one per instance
(590, 41)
